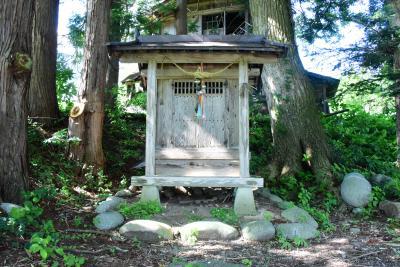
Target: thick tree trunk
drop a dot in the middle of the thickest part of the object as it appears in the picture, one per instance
(181, 17)
(395, 22)
(88, 127)
(112, 81)
(298, 136)
(42, 97)
(15, 70)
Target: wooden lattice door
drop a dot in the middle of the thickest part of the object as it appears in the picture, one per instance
(191, 131)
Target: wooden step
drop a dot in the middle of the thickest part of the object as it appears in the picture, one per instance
(197, 181)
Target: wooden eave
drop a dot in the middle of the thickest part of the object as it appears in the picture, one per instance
(198, 48)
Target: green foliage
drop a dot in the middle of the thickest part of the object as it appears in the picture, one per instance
(321, 18)
(140, 100)
(268, 216)
(124, 139)
(225, 215)
(76, 35)
(376, 197)
(122, 19)
(283, 242)
(27, 222)
(247, 262)
(140, 209)
(363, 141)
(193, 27)
(300, 242)
(150, 15)
(66, 89)
(260, 141)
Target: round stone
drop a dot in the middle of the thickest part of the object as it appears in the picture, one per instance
(296, 214)
(124, 193)
(7, 207)
(355, 190)
(111, 203)
(108, 220)
(208, 230)
(299, 230)
(147, 230)
(258, 231)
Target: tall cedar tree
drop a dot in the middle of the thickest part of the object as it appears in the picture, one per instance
(395, 23)
(88, 127)
(181, 17)
(15, 70)
(42, 96)
(298, 137)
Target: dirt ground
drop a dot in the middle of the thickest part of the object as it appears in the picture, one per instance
(377, 243)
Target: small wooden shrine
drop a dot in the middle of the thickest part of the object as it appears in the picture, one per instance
(197, 127)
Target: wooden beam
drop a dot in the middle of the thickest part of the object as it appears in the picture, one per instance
(244, 154)
(173, 73)
(151, 118)
(197, 154)
(197, 57)
(197, 181)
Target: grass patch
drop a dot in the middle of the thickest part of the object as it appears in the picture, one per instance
(140, 209)
(225, 215)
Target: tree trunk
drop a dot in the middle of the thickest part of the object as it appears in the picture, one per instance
(112, 81)
(181, 17)
(298, 137)
(395, 22)
(88, 127)
(15, 70)
(42, 96)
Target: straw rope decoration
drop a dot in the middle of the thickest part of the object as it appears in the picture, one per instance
(200, 73)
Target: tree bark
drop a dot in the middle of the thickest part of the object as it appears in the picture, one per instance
(15, 71)
(42, 96)
(112, 81)
(88, 127)
(181, 17)
(298, 137)
(395, 22)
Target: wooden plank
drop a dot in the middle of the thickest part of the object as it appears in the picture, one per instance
(197, 181)
(196, 57)
(192, 153)
(244, 154)
(151, 126)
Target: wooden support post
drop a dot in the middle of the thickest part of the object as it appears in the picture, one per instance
(244, 198)
(244, 119)
(150, 193)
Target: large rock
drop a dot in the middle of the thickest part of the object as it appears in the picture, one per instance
(147, 230)
(380, 180)
(124, 193)
(300, 230)
(285, 205)
(298, 215)
(208, 230)
(355, 190)
(258, 231)
(111, 203)
(7, 207)
(264, 192)
(108, 220)
(390, 208)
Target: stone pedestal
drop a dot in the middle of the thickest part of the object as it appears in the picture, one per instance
(244, 202)
(150, 193)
